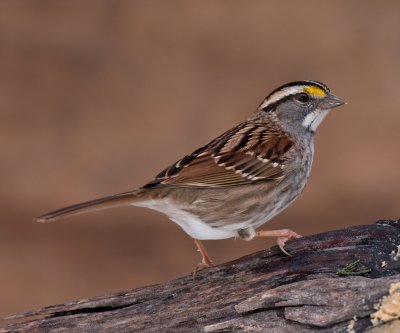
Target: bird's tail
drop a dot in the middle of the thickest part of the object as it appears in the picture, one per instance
(121, 199)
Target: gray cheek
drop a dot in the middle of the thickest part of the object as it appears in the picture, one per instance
(290, 111)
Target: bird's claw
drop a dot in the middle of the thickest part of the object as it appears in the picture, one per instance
(281, 241)
(205, 263)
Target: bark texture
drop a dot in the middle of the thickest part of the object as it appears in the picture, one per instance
(333, 282)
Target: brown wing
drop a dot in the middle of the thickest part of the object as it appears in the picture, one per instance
(245, 154)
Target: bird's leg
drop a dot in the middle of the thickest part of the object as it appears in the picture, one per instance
(205, 258)
(283, 236)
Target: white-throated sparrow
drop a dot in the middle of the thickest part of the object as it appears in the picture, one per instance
(241, 179)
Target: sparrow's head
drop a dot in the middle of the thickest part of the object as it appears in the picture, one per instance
(300, 105)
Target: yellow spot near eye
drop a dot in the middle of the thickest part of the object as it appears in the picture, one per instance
(315, 91)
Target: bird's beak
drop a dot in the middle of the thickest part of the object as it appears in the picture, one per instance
(331, 101)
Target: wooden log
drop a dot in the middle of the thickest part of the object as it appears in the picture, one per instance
(333, 282)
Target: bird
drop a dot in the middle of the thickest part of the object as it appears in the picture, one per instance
(231, 186)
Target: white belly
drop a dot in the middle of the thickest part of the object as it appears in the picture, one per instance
(191, 224)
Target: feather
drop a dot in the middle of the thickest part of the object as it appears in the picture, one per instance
(122, 199)
(250, 152)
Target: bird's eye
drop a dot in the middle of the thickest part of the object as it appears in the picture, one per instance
(303, 98)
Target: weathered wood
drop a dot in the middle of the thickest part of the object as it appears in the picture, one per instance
(331, 278)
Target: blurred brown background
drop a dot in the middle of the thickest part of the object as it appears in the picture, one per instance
(96, 97)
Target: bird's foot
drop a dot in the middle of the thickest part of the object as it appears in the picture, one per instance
(206, 261)
(204, 264)
(283, 235)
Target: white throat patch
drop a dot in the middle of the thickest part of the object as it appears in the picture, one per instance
(314, 119)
